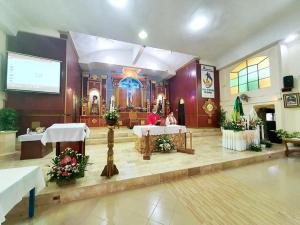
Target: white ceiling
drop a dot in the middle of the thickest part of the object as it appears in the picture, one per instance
(93, 50)
(231, 23)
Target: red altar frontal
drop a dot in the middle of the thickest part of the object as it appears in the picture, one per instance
(133, 94)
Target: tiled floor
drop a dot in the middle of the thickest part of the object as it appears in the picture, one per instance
(258, 194)
(130, 163)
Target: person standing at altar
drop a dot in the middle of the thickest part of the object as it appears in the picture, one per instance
(171, 120)
(153, 118)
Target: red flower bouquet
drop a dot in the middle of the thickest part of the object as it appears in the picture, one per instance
(68, 166)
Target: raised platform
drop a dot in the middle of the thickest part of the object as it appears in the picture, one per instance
(135, 172)
(123, 134)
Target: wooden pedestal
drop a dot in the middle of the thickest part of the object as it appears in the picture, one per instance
(110, 169)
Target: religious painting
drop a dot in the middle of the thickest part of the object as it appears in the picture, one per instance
(207, 81)
(291, 100)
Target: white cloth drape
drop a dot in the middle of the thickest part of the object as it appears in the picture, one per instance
(239, 140)
(63, 132)
(158, 130)
(30, 137)
(15, 183)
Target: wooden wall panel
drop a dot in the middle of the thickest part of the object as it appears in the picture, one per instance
(183, 85)
(49, 108)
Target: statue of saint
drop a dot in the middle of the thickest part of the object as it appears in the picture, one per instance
(95, 106)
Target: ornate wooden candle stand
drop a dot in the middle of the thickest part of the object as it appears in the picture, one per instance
(110, 169)
(147, 154)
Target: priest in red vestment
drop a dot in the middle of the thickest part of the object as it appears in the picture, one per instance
(153, 118)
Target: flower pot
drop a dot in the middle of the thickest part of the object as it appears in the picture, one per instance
(8, 142)
(111, 122)
(66, 182)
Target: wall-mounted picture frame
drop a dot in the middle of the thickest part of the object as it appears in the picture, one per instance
(291, 100)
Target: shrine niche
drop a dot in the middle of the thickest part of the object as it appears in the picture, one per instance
(130, 90)
(93, 99)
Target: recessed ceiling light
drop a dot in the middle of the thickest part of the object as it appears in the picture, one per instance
(118, 3)
(143, 34)
(290, 38)
(198, 23)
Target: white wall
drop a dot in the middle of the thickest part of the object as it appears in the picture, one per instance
(283, 61)
(290, 55)
(2, 63)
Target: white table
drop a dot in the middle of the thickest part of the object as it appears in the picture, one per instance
(141, 131)
(66, 132)
(239, 140)
(15, 184)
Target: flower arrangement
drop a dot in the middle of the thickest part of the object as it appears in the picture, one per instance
(111, 117)
(69, 165)
(164, 144)
(253, 123)
(231, 125)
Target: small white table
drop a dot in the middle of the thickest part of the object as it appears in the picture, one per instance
(67, 132)
(15, 184)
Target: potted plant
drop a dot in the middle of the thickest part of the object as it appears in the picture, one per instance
(9, 121)
(111, 117)
(67, 167)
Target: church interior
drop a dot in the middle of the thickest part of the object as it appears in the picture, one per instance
(149, 112)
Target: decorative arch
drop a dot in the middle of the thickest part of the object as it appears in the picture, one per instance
(251, 74)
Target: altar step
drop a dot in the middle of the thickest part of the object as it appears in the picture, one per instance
(99, 135)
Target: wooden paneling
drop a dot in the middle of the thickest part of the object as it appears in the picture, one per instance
(38, 104)
(186, 84)
(183, 85)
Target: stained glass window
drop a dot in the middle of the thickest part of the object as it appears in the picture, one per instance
(250, 75)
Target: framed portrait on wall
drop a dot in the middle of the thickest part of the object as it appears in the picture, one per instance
(291, 100)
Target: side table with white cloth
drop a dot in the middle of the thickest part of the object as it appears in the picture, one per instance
(240, 140)
(67, 135)
(31, 146)
(148, 134)
(15, 184)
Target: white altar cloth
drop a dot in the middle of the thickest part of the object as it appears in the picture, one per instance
(240, 140)
(33, 136)
(15, 183)
(141, 131)
(64, 132)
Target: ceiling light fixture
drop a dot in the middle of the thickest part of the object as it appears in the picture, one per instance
(291, 38)
(118, 3)
(143, 35)
(198, 23)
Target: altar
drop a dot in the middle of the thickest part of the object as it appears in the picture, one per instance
(147, 135)
(240, 140)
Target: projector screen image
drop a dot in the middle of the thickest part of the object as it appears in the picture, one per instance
(29, 73)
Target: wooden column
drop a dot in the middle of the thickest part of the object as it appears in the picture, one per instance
(110, 169)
